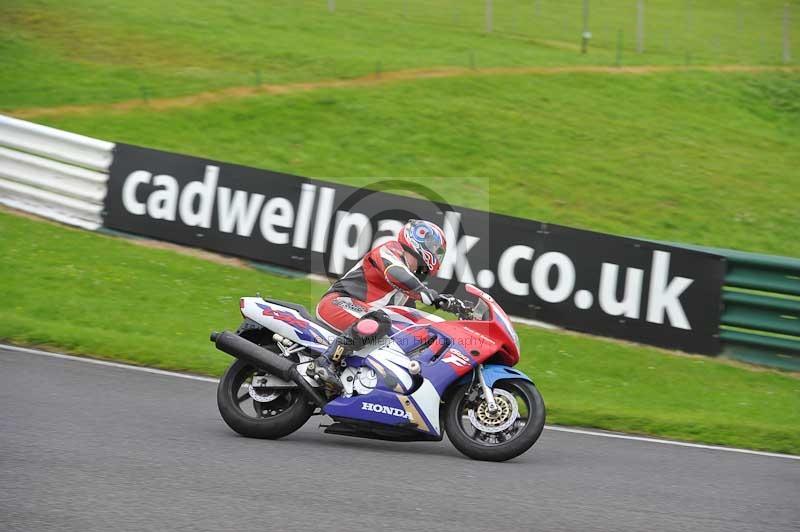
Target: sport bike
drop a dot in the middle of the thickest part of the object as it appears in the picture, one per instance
(427, 376)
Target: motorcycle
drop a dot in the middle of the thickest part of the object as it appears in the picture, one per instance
(427, 376)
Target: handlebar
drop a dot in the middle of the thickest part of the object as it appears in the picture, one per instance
(459, 307)
(464, 310)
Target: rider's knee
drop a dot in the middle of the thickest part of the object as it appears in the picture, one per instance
(370, 328)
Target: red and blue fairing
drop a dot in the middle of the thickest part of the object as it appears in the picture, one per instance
(446, 351)
(289, 320)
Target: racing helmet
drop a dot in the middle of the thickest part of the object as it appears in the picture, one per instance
(426, 241)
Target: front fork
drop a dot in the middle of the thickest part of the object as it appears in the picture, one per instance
(484, 376)
(487, 392)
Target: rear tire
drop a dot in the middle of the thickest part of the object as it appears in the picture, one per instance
(295, 411)
(478, 445)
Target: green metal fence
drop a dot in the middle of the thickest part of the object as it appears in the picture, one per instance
(761, 315)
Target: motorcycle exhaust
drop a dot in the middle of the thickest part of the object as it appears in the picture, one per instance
(257, 356)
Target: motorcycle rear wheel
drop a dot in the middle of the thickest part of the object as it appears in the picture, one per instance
(286, 412)
(495, 443)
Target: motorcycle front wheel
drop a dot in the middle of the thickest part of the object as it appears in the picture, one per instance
(258, 412)
(499, 435)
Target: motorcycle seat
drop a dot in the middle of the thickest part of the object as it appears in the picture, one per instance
(302, 311)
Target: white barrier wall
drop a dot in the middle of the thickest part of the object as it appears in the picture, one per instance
(53, 173)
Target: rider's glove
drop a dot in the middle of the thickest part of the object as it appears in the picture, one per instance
(428, 296)
(446, 302)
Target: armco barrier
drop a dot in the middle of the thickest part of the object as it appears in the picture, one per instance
(63, 176)
(761, 320)
(53, 173)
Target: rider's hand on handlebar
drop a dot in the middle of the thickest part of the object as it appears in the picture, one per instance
(429, 296)
(447, 302)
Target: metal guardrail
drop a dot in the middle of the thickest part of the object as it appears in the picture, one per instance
(760, 320)
(53, 173)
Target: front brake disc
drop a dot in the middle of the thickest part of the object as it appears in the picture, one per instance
(492, 422)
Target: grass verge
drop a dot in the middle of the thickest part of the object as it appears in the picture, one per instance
(88, 293)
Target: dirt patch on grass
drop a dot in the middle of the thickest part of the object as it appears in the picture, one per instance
(233, 93)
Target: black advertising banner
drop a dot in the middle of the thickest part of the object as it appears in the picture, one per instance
(581, 280)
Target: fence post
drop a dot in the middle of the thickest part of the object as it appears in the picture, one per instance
(787, 51)
(689, 21)
(586, 35)
(514, 19)
(740, 18)
(640, 27)
(489, 16)
(619, 48)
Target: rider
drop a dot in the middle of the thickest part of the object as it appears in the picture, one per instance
(390, 274)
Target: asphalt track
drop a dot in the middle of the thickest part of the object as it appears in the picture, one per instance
(87, 447)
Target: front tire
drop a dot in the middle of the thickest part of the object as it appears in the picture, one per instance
(273, 419)
(495, 437)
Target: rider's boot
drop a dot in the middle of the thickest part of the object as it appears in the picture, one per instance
(325, 368)
(366, 330)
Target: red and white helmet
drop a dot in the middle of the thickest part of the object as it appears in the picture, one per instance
(427, 241)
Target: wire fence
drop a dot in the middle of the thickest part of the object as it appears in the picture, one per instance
(752, 32)
(544, 33)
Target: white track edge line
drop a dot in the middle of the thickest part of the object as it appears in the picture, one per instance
(107, 363)
(671, 442)
(548, 427)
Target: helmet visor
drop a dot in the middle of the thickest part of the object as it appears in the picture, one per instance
(435, 245)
